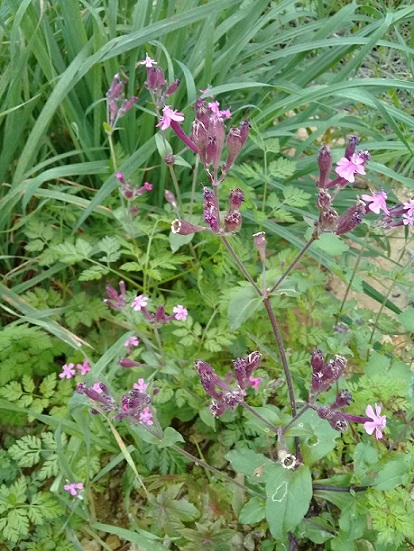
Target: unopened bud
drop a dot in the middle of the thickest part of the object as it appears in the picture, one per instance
(172, 88)
(127, 363)
(236, 198)
(325, 165)
(217, 131)
(343, 399)
(170, 198)
(182, 227)
(233, 221)
(235, 141)
(155, 79)
(259, 240)
(353, 141)
(169, 159)
(351, 218)
(317, 360)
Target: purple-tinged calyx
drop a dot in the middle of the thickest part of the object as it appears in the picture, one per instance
(325, 166)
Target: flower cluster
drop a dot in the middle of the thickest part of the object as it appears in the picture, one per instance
(352, 163)
(116, 300)
(134, 404)
(140, 302)
(401, 214)
(156, 83)
(68, 370)
(223, 396)
(324, 375)
(117, 105)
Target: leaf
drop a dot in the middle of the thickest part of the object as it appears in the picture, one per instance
(397, 471)
(110, 246)
(16, 525)
(296, 197)
(247, 461)
(171, 436)
(288, 497)
(406, 319)
(253, 511)
(26, 451)
(331, 244)
(281, 168)
(93, 273)
(177, 241)
(242, 306)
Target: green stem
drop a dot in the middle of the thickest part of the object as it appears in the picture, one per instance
(241, 265)
(287, 272)
(176, 187)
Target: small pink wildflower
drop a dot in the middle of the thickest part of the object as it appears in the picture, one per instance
(168, 116)
(180, 312)
(145, 417)
(409, 207)
(132, 341)
(408, 220)
(68, 371)
(378, 421)
(256, 381)
(347, 168)
(73, 488)
(141, 386)
(148, 186)
(84, 367)
(97, 388)
(206, 90)
(139, 302)
(148, 62)
(377, 202)
(226, 114)
(215, 107)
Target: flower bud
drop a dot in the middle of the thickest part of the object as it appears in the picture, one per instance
(235, 141)
(169, 159)
(216, 129)
(259, 240)
(116, 88)
(172, 88)
(353, 141)
(343, 399)
(182, 227)
(233, 221)
(170, 198)
(236, 198)
(351, 218)
(325, 165)
(127, 363)
(155, 79)
(317, 360)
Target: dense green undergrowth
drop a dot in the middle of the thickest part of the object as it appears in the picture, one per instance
(172, 475)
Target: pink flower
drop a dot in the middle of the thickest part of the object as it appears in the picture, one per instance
(409, 207)
(378, 421)
(145, 417)
(139, 303)
(215, 107)
(225, 113)
(408, 220)
(180, 312)
(84, 368)
(256, 381)
(168, 116)
(377, 202)
(97, 388)
(347, 168)
(73, 488)
(147, 186)
(141, 386)
(132, 341)
(148, 62)
(68, 371)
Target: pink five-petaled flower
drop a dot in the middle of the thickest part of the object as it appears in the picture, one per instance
(148, 62)
(378, 421)
(409, 207)
(255, 382)
(180, 313)
(141, 385)
(168, 116)
(377, 202)
(132, 341)
(73, 488)
(139, 303)
(84, 367)
(68, 371)
(346, 168)
(145, 417)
